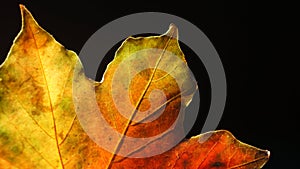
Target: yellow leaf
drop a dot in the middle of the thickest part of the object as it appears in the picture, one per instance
(38, 125)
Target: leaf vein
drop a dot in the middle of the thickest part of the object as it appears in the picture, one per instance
(48, 91)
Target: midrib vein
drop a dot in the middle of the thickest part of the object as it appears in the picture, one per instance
(119, 143)
(50, 101)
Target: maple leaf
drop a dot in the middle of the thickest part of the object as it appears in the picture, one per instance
(49, 119)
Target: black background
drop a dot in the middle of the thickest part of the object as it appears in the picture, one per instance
(256, 59)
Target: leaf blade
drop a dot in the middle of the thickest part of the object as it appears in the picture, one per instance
(198, 153)
(35, 92)
(39, 127)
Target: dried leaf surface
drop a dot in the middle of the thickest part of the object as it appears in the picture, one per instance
(144, 93)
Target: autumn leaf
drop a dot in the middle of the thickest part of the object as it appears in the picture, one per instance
(38, 125)
(52, 116)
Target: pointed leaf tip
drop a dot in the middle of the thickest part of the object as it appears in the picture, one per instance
(24, 10)
(22, 6)
(26, 15)
(28, 20)
(172, 31)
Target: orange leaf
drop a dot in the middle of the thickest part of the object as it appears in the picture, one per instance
(218, 149)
